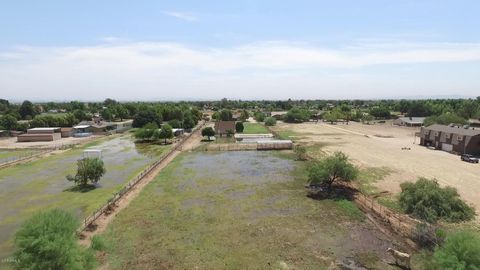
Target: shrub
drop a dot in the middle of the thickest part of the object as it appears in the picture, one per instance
(301, 152)
(330, 169)
(270, 121)
(425, 199)
(461, 251)
(239, 127)
(47, 241)
(445, 119)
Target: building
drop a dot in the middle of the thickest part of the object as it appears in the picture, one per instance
(474, 122)
(223, 127)
(82, 131)
(99, 127)
(66, 132)
(178, 131)
(409, 121)
(455, 139)
(45, 134)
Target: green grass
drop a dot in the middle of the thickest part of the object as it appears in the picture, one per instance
(391, 203)
(369, 176)
(255, 128)
(50, 189)
(199, 218)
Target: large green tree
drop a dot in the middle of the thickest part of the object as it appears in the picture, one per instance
(27, 110)
(47, 241)
(165, 133)
(208, 132)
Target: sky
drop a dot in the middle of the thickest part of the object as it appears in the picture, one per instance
(271, 49)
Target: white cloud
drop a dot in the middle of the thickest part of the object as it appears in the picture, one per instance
(161, 70)
(181, 15)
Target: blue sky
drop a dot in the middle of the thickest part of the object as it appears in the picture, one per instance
(157, 50)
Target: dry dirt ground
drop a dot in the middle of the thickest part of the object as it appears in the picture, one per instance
(380, 145)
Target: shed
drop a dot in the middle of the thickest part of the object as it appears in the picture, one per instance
(409, 121)
(222, 127)
(41, 134)
(178, 131)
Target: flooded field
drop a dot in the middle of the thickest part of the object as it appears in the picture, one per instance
(239, 210)
(41, 184)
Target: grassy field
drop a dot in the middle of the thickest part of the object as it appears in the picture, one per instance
(41, 184)
(255, 128)
(238, 210)
(8, 155)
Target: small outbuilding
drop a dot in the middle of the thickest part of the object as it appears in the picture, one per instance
(409, 121)
(44, 134)
(224, 127)
(178, 131)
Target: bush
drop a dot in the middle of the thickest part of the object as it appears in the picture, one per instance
(47, 241)
(301, 152)
(239, 127)
(330, 169)
(270, 121)
(426, 200)
(461, 251)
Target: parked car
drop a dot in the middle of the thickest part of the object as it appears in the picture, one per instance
(469, 158)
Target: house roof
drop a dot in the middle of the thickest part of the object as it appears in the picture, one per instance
(82, 126)
(454, 129)
(223, 126)
(44, 129)
(413, 120)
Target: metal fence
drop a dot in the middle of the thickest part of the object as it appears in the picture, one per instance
(117, 196)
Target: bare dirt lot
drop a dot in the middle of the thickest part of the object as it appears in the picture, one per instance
(381, 145)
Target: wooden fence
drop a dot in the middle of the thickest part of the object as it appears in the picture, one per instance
(117, 196)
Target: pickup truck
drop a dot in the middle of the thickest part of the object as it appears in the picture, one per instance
(469, 158)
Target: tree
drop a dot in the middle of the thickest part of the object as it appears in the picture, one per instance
(426, 200)
(145, 116)
(367, 118)
(445, 119)
(188, 121)
(230, 132)
(239, 127)
(175, 123)
(8, 122)
(107, 114)
(109, 102)
(80, 115)
(330, 169)
(333, 116)
(259, 116)
(47, 241)
(121, 112)
(165, 132)
(208, 132)
(381, 112)
(27, 110)
(225, 115)
(244, 115)
(88, 170)
(297, 115)
(270, 121)
(460, 251)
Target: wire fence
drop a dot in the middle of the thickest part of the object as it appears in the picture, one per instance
(23, 157)
(110, 204)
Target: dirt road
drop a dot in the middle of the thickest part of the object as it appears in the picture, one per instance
(381, 146)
